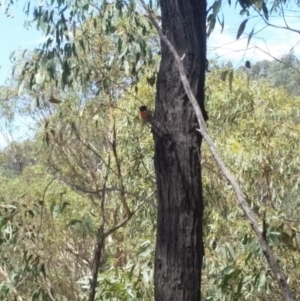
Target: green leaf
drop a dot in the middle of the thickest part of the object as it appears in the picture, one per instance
(43, 63)
(146, 275)
(241, 29)
(230, 80)
(209, 18)
(145, 252)
(41, 269)
(40, 77)
(221, 23)
(21, 87)
(265, 10)
(228, 270)
(132, 6)
(216, 7)
(104, 21)
(211, 25)
(30, 212)
(57, 36)
(125, 49)
(27, 9)
(33, 105)
(64, 205)
(81, 43)
(262, 281)
(12, 55)
(250, 36)
(119, 46)
(74, 222)
(126, 67)
(55, 210)
(231, 251)
(3, 222)
(223, 75)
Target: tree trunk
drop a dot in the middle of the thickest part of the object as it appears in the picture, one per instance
(179, 247)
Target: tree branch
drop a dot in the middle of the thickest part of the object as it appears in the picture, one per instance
(99, 248)
(276, 26)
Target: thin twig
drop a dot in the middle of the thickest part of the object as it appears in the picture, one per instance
(89, 146)
(272, 25)
(113, 143)
(43, 203)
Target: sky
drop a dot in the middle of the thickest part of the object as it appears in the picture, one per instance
(267, 42)
(14, 36)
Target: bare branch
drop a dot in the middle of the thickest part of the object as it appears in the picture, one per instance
(90, 147)
(100, 245)
(113, 143)
(43, 199)
(127, 218)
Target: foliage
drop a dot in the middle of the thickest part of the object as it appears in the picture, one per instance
(15, 157)
(89, 45)
(79, 145)
(84, 134)
(258, 137)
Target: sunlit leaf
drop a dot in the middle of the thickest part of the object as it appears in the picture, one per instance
(21, 87)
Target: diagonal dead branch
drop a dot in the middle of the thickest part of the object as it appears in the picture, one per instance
(241, 197)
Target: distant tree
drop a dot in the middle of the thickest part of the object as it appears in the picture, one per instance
(15, 157)
(283, 73)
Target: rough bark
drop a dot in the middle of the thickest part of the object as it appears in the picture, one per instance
(179, 247)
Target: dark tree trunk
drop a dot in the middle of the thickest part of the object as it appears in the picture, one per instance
(179, 247)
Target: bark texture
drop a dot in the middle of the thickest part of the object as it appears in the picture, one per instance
(179, 248)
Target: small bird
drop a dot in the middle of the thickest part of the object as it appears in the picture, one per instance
(145, 114)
